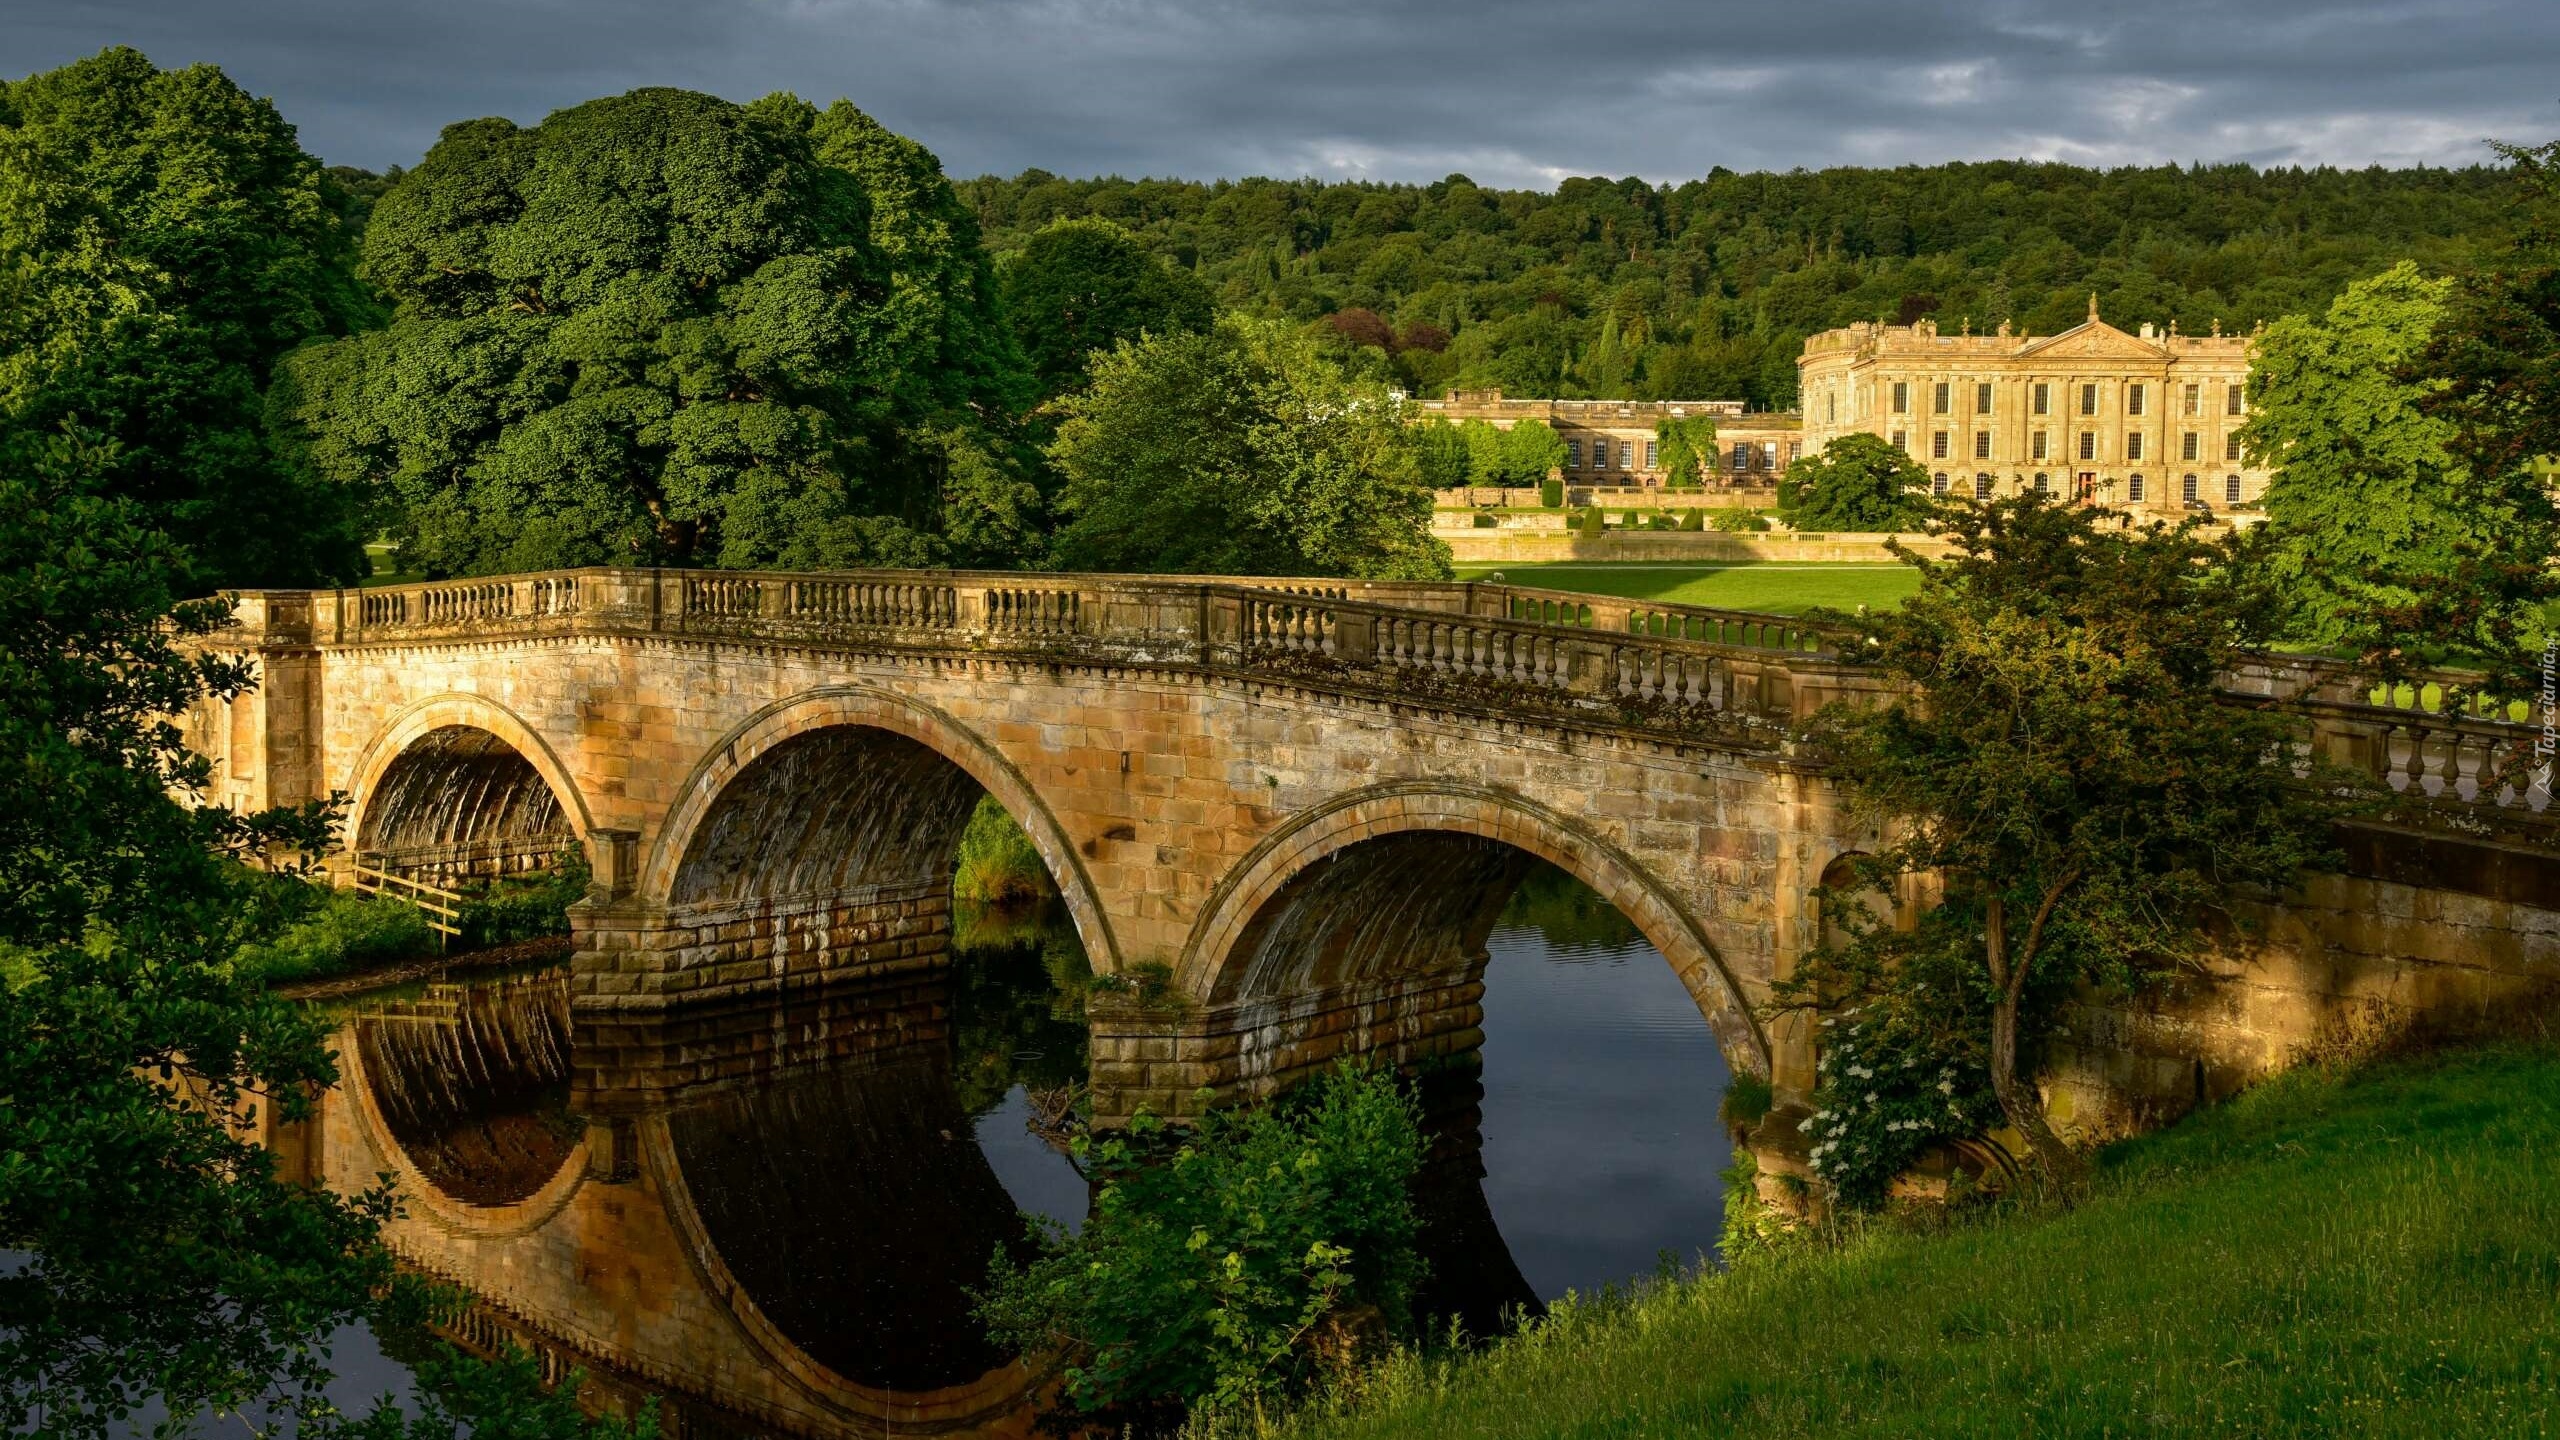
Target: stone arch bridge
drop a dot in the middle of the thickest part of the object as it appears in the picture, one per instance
(1283, 814)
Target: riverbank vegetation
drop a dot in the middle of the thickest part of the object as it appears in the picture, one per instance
(1226, 1266)
(2367, 1251)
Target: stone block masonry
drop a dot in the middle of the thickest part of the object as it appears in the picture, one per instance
(1278, 811)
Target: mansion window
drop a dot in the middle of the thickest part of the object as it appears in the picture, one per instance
(2231, 394)
(2040, 399)
(2133, 446)
(2230, 447)
(2133, 399)
(1982, 397)
(1741, 454)
(1599, 454)
(2133, 488)
(1898, 438)
(2043, 485)
(2194, 401)
(2191, 446)
(2038, 445)
(1901, 397)
(2089, 399)
(2231, 489)
(1938, 399)
(1795, 451)
(1982, 445)
(1982, 486)
(2190, 486)
(1830, 408)
(1938, 445)
(1938, 483)
(1626, 455)
(2088, 444)
(1652, 455)
(1573, 454)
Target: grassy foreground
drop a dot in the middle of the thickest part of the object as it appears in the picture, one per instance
(2372, 1254)
(1783, 589)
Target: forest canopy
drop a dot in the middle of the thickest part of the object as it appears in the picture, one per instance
(1706, 289)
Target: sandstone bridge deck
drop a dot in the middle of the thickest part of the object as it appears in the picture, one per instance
(1291, 808)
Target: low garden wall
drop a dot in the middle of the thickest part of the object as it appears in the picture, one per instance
(1514, 545)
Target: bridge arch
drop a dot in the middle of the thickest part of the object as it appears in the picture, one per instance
(450, 1093)
(459, 770)
(1232, 948)
(835, 735)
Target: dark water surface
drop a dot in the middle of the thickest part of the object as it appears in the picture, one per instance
(853, 1162)
(1602, 1149)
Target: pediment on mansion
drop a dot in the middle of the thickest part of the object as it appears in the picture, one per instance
(2094, 339)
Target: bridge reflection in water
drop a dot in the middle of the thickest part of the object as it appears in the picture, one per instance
(771, 1211)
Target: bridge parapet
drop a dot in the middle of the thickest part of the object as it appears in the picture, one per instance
(1491, 647)
(1717, 676)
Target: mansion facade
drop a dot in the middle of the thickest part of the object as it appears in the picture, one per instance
(2145, 422)
(2140, 422)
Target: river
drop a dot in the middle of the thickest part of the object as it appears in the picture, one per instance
(797, 1195)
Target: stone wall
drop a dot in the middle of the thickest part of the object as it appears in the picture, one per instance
(2351, 961)
(1515, 545)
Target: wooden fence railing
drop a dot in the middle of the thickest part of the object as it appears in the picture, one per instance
(442, 907)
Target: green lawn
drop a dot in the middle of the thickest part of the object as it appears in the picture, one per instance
(2371, 1255)
(1783, 589)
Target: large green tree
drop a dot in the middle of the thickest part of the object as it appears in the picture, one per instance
(1239, 451)
(2058, 765)
(163, 241)
(2497, 351)
(2389, 538)
(661, 328)
(1081, 286)
(1858, 482)
(1688, 448)
(164, 1261)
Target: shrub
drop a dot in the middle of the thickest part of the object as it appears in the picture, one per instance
(1594, 524)
(525, 908)
(1693, 518)
(1213, 1261)
(340, 931)
(997, 860)
(1485, 521)
(1551, 494)
(1740, 521)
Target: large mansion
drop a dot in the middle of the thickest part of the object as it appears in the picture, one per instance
(2146, 421)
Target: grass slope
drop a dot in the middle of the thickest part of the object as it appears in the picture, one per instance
(1778, 589)
(2371, 1255)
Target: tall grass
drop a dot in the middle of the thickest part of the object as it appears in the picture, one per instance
(2345, 1254)
(997, 861)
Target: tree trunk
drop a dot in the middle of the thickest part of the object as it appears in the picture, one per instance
(2057, 1167)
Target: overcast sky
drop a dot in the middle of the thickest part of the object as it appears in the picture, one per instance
(1518, 92)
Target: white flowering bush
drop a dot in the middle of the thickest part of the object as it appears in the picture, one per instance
(1889, 1090)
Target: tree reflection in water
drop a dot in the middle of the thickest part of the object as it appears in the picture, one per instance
(854, 1158)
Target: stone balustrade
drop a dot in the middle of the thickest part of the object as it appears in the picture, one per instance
(1486, 646)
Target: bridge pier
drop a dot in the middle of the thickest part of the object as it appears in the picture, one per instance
(1178, 1060)
(634, 955)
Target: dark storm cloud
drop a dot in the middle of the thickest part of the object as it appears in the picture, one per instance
(1519, 93)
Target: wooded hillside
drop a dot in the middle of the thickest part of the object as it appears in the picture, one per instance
(1609, 288)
